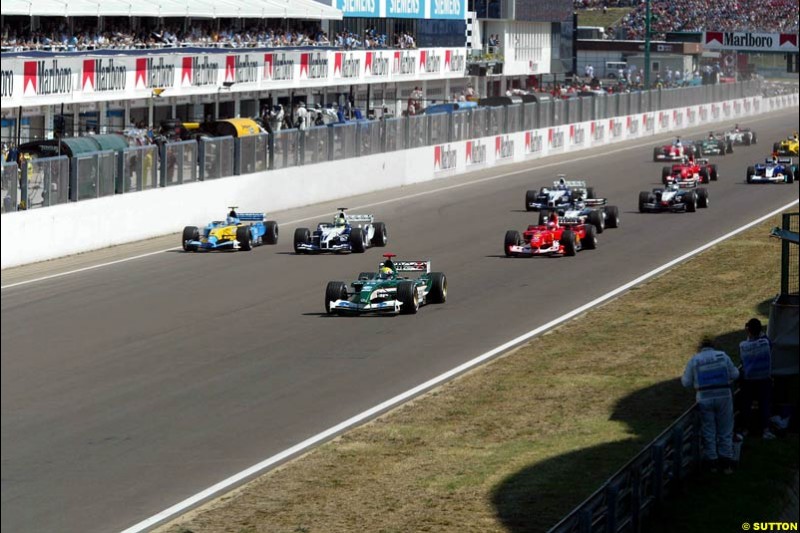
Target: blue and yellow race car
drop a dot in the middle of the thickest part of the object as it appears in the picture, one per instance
(232, 233)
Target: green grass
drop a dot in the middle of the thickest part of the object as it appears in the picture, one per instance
(596, 17)
(516, 444)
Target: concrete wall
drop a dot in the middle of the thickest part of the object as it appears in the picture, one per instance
(41, 234)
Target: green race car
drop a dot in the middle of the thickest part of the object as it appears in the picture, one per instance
(386, 291)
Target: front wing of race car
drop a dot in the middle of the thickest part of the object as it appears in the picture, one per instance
(383, 306)
(323, 247)
(527, 250)
(678, 206)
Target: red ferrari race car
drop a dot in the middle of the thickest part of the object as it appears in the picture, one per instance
(689, 172)
(675, 151)
(556, 237)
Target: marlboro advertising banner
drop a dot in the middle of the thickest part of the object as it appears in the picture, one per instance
(749, 41)
(56, 78)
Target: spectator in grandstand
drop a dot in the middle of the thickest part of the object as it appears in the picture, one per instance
(54, 34)
(711, 373)
(721, 15)
(756, 355)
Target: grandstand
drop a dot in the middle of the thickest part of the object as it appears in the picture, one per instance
(773, 16)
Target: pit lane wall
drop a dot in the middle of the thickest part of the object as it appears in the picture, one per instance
(41, 234)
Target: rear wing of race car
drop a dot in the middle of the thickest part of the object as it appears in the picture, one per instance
(702, 161)
(686, 184)
(360, 218)
(251, 217)
(784, 160)
(595, 202)
(569, 221)
(411, 266)
(572, 184)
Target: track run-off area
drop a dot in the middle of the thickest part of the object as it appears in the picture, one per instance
(134, 380)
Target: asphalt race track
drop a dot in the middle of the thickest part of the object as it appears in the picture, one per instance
(128, 388)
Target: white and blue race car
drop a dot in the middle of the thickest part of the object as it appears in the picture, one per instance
(347, 233)
(232, 233)
(773, 170)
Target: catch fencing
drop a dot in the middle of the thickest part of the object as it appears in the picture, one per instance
(44, 182)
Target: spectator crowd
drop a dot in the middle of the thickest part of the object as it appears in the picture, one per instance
(770, 16)
(56, 35)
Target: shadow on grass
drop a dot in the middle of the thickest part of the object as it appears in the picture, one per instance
(536, 498)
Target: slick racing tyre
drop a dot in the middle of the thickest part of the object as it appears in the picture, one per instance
(358, 241)
(702, 197)
(438, 292)
(612, 216)
(301, 236)
(380, 237)
(568, 242)
(512, 239)
(190, 233)
(407, 295)
(690, 200)
(597, 220)
(750, 173)
(270, 232)
(645, 197)
(530, 197)
(244, 237)
(589, 241)
(336, 290)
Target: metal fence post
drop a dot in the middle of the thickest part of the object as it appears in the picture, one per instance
(677, 452)
(237, 154)
(585, 521)
(163, 165)
(119, 185)
(612, 494)
(658, 473)
(73, 179)
(636, 500)
(23, 199)
(201, 156)
(271, 151)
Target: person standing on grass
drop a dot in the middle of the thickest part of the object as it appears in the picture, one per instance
(756, 356)
(711, 372)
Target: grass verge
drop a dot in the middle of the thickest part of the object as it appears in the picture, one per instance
(514, 445)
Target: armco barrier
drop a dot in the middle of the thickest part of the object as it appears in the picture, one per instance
(40, 234)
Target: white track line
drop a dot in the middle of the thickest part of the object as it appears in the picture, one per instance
(364, 206)
(438, 380)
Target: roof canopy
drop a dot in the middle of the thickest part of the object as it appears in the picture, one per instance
(290, 9)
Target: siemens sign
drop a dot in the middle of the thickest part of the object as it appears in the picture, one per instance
(447, 9)
(418, 9)
(359, 8)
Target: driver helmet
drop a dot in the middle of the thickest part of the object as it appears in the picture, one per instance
(736, 128)
(672, 186)
(710, 135)
(341, 220)
(677, 141)
(385, 272)
(552, 221)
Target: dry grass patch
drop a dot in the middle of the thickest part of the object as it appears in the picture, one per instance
(516, 444)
